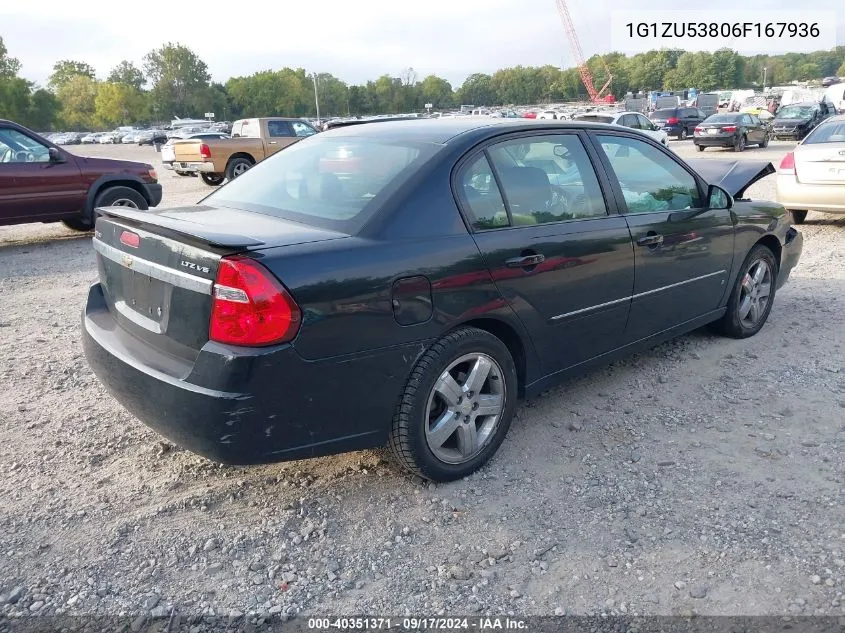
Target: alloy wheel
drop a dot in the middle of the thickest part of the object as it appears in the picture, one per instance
(239, 169)
(464, 408)
(755, 293)
(124, 202)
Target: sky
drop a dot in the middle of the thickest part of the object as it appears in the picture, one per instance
(354, 41)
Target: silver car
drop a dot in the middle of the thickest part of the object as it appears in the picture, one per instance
(812, 177)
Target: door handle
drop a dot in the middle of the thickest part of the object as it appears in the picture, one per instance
(272, 143)
(526, 261)
(651, 240)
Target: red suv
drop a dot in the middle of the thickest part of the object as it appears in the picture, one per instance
(40, 182)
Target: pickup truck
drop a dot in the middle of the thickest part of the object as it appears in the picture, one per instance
(252, 140)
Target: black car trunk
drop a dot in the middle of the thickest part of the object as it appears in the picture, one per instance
(157, 270)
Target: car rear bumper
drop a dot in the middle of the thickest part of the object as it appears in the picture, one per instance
(718, 141)
(155, 193)
(248, 406)
(798, 196)
(207, 168)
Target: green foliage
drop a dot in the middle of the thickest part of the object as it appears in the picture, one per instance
(9, 66)
(117, 104)
(179, 79)
(65, 70)
(127, 73)
(78, 98)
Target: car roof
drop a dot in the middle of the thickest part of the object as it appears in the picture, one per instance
(442, 130)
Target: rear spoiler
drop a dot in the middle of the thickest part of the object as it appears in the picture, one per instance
(333, 124)
(178, 226)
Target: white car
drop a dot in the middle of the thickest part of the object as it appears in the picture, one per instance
(633, 120)
(547, 114)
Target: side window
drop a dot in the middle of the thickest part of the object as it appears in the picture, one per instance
(482, 196)
(645, 124)
(547, 179)
(16, 147)
(650, 180)
(302, 129)
(276, 129)
(630, 120)
(747, 120)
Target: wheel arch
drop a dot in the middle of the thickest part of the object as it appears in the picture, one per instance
(113, 180)
(245, 155)
(773, 244)
(520, 350)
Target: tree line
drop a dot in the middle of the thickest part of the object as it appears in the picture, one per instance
(174, 81)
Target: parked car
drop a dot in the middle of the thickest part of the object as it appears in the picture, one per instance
(812, 176)
(794, 122)
(88, 139)
(731, 129)
(168, 154)
(40, 182)
(149, 137)
(129, 138)
(252, 140)
(110, 137)
(678, 122)
(377, 259)
(633, 120)
(547, 114)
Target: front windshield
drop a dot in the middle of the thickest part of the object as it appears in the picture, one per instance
(796, 112)
(335, 182)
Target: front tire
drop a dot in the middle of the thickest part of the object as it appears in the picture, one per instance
(457, 406)
(765, 142)
(121, 197)
(213, 180)
(753, 295)
(236, 167)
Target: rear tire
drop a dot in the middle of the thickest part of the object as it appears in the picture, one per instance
(752, 296)
(739, 144)
(78, 224)
(683, 135)
(236, 167)
(765, 142)
(700, 148)
(440, 395)
(213, 180)
(121, 197)
(798, 217)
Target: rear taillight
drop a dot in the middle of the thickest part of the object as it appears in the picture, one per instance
(130, 239)
(787, 165)
(699, 129)
(205, 151)
(250, 307)
(729, 128)
(673, 120)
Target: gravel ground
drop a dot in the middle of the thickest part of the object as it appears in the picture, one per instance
(705, 476)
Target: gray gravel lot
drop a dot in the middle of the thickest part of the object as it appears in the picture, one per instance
(705, 476)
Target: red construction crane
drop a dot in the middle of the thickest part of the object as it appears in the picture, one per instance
(596, 96)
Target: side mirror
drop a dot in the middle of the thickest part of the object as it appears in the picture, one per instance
(55, 155)
(718, 198)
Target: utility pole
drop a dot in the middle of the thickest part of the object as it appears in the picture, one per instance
(316, 97)
(764, 77)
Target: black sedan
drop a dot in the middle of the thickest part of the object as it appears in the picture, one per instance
(734, 130)
(405, 283)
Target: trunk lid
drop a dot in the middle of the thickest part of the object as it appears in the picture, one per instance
(820, 165)
(157, 269)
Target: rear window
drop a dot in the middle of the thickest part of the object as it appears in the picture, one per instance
(332, 182)
(595, 118)
(723, 118)
(663, 114)
(831, 132)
